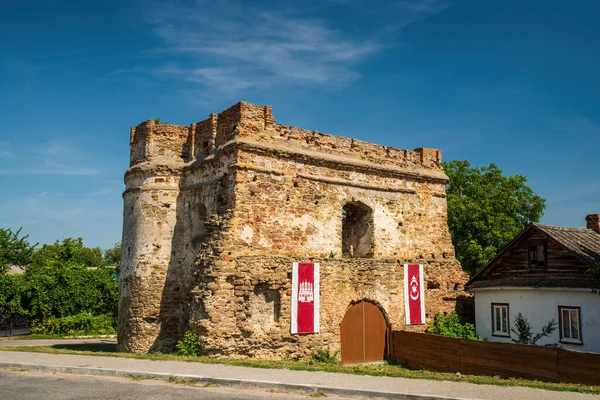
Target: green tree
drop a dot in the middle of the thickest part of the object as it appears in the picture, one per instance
(14, 249)
(11, 290)
(69, 250)
(486, 210)
(60, 290)
(112, 256)
(60, 283)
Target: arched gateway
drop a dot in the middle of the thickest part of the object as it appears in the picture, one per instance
(363, 333)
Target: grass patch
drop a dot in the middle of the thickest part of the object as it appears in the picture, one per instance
(181, 381)
(39, 336)
(383, 369)
(19, 369)
(136, 377)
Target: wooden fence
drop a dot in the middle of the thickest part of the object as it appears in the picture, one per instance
(445, 354)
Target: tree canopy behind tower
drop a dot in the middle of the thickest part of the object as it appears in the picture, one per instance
(65, 287)
(15, 249)
(486, 210)
(68, 250)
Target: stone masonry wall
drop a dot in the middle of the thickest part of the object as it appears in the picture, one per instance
(242, 306)
(290, 207)
(216, 213)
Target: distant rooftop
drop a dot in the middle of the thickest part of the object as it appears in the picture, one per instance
(582, 241)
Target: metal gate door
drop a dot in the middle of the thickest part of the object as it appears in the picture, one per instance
(363, 334)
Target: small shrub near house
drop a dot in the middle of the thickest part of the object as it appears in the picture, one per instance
(325, 356)
(190, 345)
(449, 325)
(523, 330)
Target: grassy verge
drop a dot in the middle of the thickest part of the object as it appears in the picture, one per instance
(38, 336)
(385, 369)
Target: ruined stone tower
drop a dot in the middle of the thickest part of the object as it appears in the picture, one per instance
(216, 213)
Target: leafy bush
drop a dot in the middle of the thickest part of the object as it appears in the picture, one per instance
(69, 289)
(80, 324)
(66, 287)
(11, 289)
(325, 356)
(158, 121)
(522, 328)
(190, 345)
(449, 325)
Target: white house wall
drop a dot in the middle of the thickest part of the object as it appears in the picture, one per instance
(540, 306)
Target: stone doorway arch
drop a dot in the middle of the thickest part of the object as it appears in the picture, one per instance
(363, 333)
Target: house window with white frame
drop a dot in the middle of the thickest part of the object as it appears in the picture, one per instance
(569, 322)
(500, 320)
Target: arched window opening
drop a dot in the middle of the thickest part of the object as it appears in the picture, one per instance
(357, 230)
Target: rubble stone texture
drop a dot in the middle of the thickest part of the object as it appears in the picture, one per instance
(216, 213)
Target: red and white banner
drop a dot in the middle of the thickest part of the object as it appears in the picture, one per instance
(305, 298)
(414, 294)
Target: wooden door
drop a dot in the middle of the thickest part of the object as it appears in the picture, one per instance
(351, 335)
(363, 334)
(375, 332)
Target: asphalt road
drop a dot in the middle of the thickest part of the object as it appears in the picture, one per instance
(30, 385)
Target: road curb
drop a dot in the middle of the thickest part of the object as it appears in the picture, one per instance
(243, 383)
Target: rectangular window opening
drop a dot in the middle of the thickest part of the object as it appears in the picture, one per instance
(500, 320)
(570, 324)
(537, 255)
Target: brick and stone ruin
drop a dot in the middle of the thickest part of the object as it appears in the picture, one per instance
(217, 212)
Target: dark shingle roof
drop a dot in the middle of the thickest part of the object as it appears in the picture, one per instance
(583, 242)
(533, 283)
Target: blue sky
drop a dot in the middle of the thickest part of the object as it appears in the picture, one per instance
(511, 82)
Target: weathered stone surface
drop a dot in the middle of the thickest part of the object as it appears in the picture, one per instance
(216, 213)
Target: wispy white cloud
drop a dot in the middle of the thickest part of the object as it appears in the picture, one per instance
(233, 46)
(62, 158)
(588, 125)
(5, 153)
(51, 215)
(226, 80)
(423, 6)
(18, 66)
(49, 201)
(53, 158)
(576, 125)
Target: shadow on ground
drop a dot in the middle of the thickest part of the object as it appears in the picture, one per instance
(94, 347)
